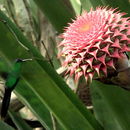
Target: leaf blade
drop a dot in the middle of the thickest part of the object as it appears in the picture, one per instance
(19, 122)
(47, 68)
(62, 13)
(111, 106)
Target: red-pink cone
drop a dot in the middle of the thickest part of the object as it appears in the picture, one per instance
(94, 42)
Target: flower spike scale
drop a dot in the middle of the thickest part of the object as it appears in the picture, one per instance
(94, 42)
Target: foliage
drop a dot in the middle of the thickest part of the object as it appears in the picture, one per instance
(40, 88)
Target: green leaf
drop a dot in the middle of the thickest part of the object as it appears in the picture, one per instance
(40, 111)
(19, 122)
(35, 78)
(111, 106)
(4, 126)
(57, 11)
(42, 79)
(77, 6)
(88, 4)
(3, 66)
(122, 5)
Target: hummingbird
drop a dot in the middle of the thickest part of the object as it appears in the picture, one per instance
(11, 82)
(12, 79)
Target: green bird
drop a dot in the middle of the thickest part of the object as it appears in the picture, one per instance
(11, 81)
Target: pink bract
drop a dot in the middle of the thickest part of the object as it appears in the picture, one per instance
(94, 42)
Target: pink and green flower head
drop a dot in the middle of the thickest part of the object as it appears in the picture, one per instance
(94, 42)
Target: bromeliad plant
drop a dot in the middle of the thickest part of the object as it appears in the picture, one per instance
(95, 43)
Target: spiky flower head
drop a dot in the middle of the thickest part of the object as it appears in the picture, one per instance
(94, 42)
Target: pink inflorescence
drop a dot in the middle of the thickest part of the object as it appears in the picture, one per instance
(94, 42)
